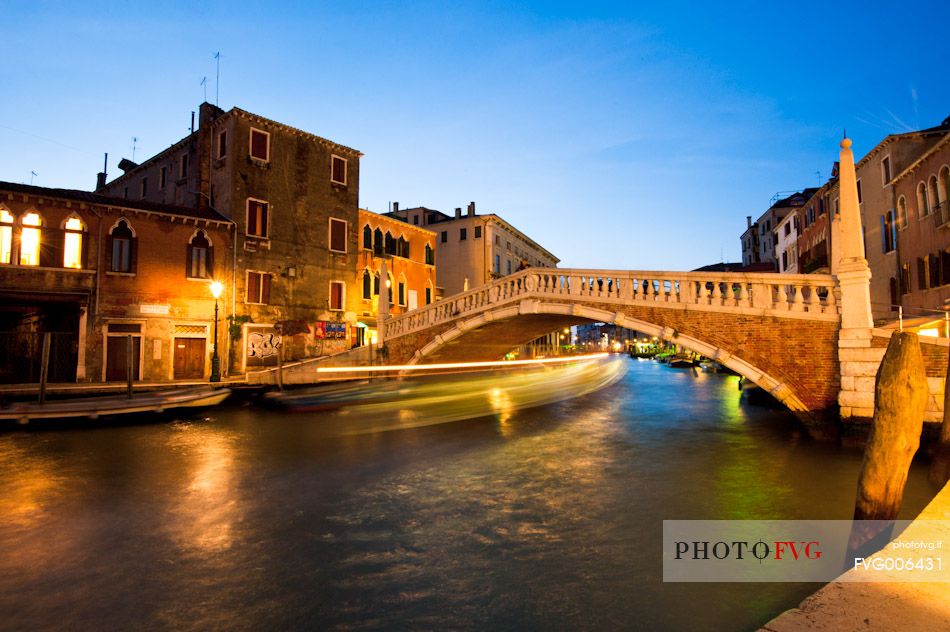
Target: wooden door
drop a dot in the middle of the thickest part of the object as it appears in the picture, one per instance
(116, 356)
(189, 358)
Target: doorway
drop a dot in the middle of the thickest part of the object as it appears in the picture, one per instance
(189, 358)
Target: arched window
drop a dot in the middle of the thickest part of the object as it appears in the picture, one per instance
(200, 259)
(939, 202)
(943, 184)
(901, 212)
(390, 244)
(121, 248)
(923, 206)
(6, 236)
(30, 239)
(402, 247)
(367, 237)
(367, 285)
(429, 292)
(378, 243)
(401, 293)
(430, 255)
(389, 287)
(73, 243)
(376, 284)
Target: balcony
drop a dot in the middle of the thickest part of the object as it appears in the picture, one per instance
(44, 280)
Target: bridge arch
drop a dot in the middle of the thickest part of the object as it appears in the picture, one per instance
(576, 312)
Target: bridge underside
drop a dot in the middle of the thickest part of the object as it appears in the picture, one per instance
(794, 359)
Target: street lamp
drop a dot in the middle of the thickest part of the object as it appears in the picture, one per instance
(216, 288)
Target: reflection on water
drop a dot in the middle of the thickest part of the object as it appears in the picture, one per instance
(525, 519)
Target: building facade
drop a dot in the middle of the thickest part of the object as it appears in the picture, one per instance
(759, 241)
(114, 283)
(409, 254)
(786, 244)
(293, 198)
(474, 249)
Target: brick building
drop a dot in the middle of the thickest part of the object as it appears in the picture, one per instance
(92, 271)
(409, 252)
(814, 217)
(759, 240)
(919, 232)
(475, 249)
(293, 198)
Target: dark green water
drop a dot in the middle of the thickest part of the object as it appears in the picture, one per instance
(550, 519)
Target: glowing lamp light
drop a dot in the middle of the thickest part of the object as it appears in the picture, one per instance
(216, 288)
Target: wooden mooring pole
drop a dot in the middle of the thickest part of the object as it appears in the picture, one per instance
(44, 367)
(940, 465)
(129, 368)
(900, 397)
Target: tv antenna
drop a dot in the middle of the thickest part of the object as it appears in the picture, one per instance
(818, 175)
(217, 76)
(135, 139)
(204, 84)
(33, 174)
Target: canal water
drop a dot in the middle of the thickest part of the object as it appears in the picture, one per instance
(548, 518)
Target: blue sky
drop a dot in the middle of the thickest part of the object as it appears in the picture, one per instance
(629, 135)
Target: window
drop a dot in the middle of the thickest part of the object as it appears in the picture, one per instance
(901, 213)
(888, 232)
(144, 187)
(933, 272)
(944, 267)
(478, 232)
(121, 244)
(509, 266)
(162, 177)
(30, 239)
(367, 286)
(788, 229)
(337, 293)
(923, 205)
(72, 243)
(430, 255)
(183, 167)
(337, 170)
(415, 220)
(390, 244)
(125, 192)
(337, 235)
(463, 234)
(260, 145)
(199, 260)
(258, 288)
(922, 270)
(367, 238)
(376, 285)
(886, 170)
(402, 292)
(428, 295)
(905, 278)
(378, 243)
(223, 144)
(497, 264)
(860, 197)
(6, 236)
(938, 204)
(784, 261)
(402, 247)
(444, 236)
(508, 245)
(257, 216)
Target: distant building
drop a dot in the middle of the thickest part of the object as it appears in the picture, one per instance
(475, 249)
(409, 253)
(758, 240)
(95, 272)
(293, 198)
(814, 218)
(786, 247)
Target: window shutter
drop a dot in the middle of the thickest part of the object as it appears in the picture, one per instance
(133, 253)
(253, 292)
(108, 254)
(189, 256)
(265, 289)
(251, 218)
(209, 263)
(883, 235)
(51, 247)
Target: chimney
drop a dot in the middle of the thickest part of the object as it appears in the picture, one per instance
(458, 212)
(102, 175)
(748, 221)
(395, 207)
(471, 208)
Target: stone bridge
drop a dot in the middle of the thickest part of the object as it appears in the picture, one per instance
(780, 331)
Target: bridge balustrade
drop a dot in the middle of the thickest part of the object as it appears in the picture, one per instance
(775, 294)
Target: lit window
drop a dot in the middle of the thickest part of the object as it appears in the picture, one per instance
(121, 248)
(258, 288)
(200, 260)
(72, 245)
(337, 235)
(30, 240)
(260, 145)
(338, 170)
(257, 212)
(337, 292)
(367, 237)
(6, 237)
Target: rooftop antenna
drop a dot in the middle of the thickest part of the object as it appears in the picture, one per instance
(818, 175)
(217, 76)
(33, 174)
(135, 139)
(204, 84)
